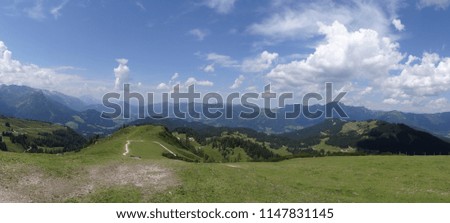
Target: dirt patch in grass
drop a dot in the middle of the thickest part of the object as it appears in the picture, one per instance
(139, 175)
(27, 184)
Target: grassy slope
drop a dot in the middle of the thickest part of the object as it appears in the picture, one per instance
(329, 179)
(28, 127)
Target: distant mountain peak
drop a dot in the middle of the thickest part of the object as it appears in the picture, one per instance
(51, 106)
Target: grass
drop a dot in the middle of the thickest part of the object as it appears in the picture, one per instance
(358, 127)
(127, 194)
(327, 148)
(327, 179)
(28, 127)
(283, 151)
(11, 146)
(213, 154)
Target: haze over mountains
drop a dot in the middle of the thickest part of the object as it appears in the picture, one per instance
(29, 103)
(49, 106)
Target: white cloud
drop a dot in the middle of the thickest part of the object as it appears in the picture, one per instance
(438, 4)
(222, 60)
(366, 90)
(56, 10)
(205, 83)
(430, 77)
(238, 82)
(220, 6)
(343, 56)
(398, 24)
(262, 62)
(257, 64)
(37, 11)
(193, 81)
(174, 76)
(440, 104)
(121, 73)
(372, 68)
(252, 88)
(190, 81)
(391, 101)
(14, 72)
(163, 86)
(302, 20)
(200, 34)
(209, 68)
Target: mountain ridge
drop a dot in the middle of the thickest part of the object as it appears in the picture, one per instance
(43, 105)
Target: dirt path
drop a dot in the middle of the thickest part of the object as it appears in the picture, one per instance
(168, 150)
(126, 148)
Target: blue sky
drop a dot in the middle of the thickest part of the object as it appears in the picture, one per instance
(387, 54)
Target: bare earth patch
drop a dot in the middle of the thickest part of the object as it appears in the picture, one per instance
(33, 185)
(139, 175)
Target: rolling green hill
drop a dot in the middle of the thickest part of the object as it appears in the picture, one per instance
(104, 172)
(373, 137)
(331, 137)
(19, 135)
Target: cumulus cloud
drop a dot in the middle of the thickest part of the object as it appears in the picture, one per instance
(121, 73)
(163, 86)
(398, 24)
(372, 68)
(238, 82)
(14, 72)
(193, 81)
(220, 6)
(199, 34)
(429, 77)
(438, 4)
(183, 85)
(341, 57)
(302, 20)
(262, 62)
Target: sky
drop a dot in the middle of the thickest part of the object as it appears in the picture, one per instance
(388, 55)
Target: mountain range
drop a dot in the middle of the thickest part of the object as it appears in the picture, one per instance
(364, 131)
(437, 123)
(49, 106)
(55, 107)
